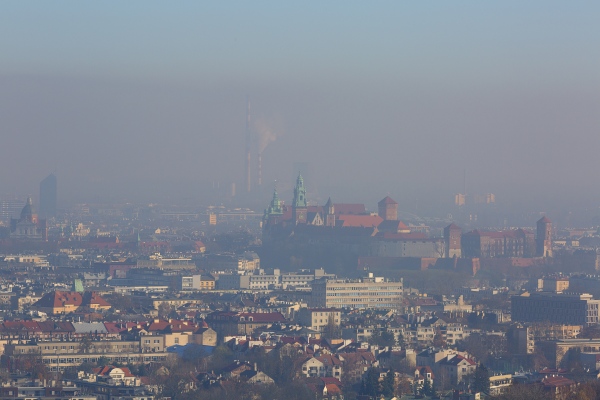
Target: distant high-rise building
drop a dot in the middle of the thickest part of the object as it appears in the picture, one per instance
(487, 198)
(48, 194)
(460, 199)
(10, 208)
(544, 238)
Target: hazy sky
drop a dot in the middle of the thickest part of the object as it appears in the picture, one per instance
(137, 99)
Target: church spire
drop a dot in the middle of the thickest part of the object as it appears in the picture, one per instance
(299, 193)
(299, 207)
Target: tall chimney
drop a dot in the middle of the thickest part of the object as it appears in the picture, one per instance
(260, 169)
(248, 148)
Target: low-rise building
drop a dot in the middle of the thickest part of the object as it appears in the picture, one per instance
(234, 323)
(322, 366)
(60, 302)
(318, 318)
(500, 384)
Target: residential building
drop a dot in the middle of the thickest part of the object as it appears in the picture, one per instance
(58, 356)
(318, 318)
(456, 368)
(369, 292)
(500, 383)
(44, 390)
(234, 323)
(259, 280)
(59, 302)
(322, 366)
(455, 333)
(569, 309)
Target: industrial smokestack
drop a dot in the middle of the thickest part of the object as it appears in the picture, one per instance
(248, 148)
(264, 131)
(260, 169)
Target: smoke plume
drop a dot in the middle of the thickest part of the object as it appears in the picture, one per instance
(266, 131)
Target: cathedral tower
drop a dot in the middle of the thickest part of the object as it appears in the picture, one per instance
(299, 207)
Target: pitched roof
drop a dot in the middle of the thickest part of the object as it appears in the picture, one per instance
(557, 381)
(387, 200)
(328, 359)
(89, 327)
(59, 298)
(369, 221)
(93, 298)
(457, 359)
(349, 208)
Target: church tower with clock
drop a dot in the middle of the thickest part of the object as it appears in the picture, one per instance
(299, 207)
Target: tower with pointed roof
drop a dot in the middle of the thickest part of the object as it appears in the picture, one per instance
(544, 237)
(388, 209)
(299, 206)
(274, 212)
(329, 211)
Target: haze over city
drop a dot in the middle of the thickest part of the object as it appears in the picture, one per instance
(144, 101)
(272, 200)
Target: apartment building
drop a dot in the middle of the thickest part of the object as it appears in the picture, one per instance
(318, 318)
(259, 280)
(369, 292)
(569, 309)
(58, 356)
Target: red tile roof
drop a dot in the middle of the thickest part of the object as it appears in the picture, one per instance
(349, 209)
(387, 200)
(557, 381)
(362, 221)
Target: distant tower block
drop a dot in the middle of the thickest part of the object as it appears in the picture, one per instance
(48, 191)
(460, 199)
(452, 235)
(544, 238)
(388, 209)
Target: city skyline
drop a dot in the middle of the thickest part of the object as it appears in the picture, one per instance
(398, 99)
